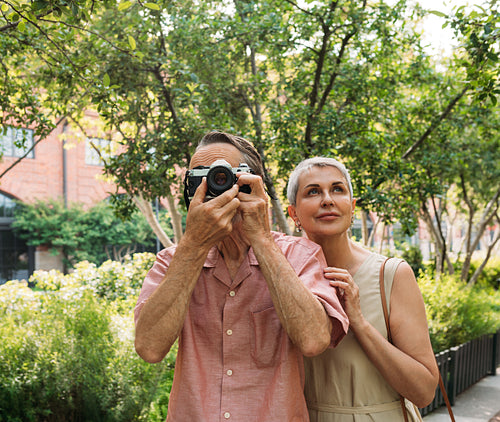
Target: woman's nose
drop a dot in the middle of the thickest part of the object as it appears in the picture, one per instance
(327, 200)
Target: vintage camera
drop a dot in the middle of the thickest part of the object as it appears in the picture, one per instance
(220, 178)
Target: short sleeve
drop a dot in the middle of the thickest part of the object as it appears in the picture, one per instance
(308, 261)
(153, 278)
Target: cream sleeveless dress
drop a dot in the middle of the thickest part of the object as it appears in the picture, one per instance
(342, 385)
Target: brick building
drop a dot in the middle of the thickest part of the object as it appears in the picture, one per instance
(60, 167)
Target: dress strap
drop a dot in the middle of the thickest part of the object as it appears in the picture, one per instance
(355, 410)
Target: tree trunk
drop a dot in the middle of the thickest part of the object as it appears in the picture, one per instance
(382, 239)
(438, 247)
(175, 217)
(255, 110)
(479, 269)
(374, 230)
(471, 244)
(364, 228)
(147, 210)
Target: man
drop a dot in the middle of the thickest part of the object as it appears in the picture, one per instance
(245, 302)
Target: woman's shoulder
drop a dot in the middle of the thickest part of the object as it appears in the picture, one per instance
(390, 261)
(366, 261)
(370, 263)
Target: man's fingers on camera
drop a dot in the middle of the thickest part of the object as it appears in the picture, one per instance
(226, 198)
(200, 193)
(253, 181)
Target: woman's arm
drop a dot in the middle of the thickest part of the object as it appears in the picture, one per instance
(409, 364)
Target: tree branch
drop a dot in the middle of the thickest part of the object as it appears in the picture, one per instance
(435, 123)
(15, 163)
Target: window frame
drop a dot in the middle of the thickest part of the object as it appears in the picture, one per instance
(9, 135)
(92, 158)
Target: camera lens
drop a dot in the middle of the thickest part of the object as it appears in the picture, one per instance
(220, 179)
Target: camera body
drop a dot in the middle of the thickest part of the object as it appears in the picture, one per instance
(220, 178)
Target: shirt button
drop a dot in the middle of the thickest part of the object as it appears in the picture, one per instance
(227, 415)
(229, 332)
(232, 293)
(229, 372)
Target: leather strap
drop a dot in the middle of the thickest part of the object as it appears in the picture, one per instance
(389, 338)
(384, 299)
(386, 318)
(445, 396)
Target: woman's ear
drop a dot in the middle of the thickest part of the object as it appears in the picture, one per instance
(291, 212)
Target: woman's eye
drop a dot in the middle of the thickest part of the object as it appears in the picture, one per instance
(338, 189)
(313, 191)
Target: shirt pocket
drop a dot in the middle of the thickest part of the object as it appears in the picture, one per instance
(266, 338)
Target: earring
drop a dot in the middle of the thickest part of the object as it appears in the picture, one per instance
(298, 226)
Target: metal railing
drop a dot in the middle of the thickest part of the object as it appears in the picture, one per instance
(464, 365)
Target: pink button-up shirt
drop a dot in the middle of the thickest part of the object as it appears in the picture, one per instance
(235, 360)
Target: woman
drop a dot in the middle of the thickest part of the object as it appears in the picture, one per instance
(363, 377)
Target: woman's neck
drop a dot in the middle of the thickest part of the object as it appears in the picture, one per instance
(342, 252)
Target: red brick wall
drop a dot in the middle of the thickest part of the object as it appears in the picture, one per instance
(41, 177)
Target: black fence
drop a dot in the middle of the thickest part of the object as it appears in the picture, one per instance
(464, 365)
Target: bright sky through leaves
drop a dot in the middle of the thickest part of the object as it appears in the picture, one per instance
(441, 40)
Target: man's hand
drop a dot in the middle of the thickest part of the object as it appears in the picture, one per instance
(208, 222)
(253, 208)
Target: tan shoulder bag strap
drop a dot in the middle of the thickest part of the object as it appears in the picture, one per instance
(386, 318)
(389, 338)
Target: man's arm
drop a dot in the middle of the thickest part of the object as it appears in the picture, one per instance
(301, 314)
(161, 318)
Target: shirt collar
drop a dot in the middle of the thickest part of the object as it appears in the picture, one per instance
(214, 255)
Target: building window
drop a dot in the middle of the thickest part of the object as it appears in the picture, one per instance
(14, 142)
(92, 156)
(6, 206)
(16, 258)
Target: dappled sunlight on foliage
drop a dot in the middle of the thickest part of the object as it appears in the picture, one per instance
(67, 350)
(457, 313)
(67, 347)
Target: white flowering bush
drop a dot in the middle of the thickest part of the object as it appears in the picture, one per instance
(114, 280)
(67, 349)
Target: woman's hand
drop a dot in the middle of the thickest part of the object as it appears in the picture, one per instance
(348, 292)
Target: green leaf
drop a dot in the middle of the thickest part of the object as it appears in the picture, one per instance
(21, 26)
(132, 42)
(13, 17)
(438, 13)
(125, 5)
(5, 7)
(106, 80)
(152, 6)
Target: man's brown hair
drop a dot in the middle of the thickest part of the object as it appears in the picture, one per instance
(249, 153)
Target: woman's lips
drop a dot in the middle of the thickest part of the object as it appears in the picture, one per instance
(328, 216)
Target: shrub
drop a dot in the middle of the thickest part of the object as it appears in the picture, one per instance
(490, 276)
(413, 256)
(114, 280)
(67, 349)
(458, 313)
(95, 235)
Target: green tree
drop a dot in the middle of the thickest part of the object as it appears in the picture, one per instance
(94, 235)
(344, 78)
